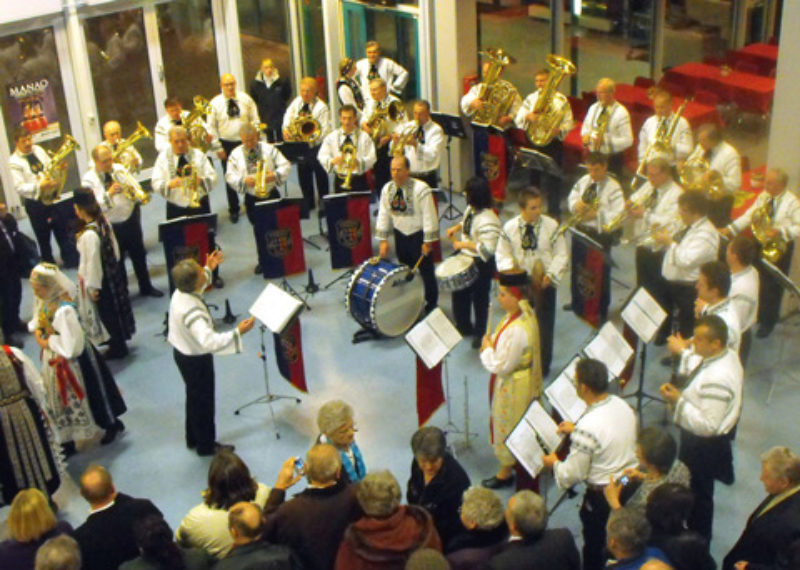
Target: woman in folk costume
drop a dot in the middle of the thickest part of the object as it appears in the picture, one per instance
(102, 280)
(80, 393)
(27, 458)
(511, 354)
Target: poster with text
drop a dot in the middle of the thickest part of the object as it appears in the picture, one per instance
(31, 104)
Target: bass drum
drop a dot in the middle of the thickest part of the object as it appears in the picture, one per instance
(380, 298)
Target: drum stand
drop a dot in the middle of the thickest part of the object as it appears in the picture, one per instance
(268, 397)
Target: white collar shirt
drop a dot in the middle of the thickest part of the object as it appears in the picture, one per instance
(224, 127)
(332, 147)
(660, 211)
(161, 131)
(744, 296)
(681, 142)
(394, 74)
(699, 245)
(725, 160)
(130, 150)
(611, 200)
(474, 93)
(166, 168)
(483, 229)
(551, 252)
(559, 103)
(618, 135)
(427, 155)
(319, 112)
(24, 179)
(240, 165)
(117, 208)
(785, 216)
(411, 212)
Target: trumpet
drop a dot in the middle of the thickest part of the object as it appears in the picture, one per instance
(123, 155)
(55, 171)
(262, 187)
(190, 185)
(349, 165)
(130, 186)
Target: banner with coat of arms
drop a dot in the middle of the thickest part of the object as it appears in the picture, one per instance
(492, 160)
(277, 223)
(349, 231)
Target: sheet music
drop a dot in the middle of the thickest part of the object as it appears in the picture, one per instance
(433, 337)
(525, 447)
(274, 307)
(610, 347)
(563, 395)
(538, 418)
(643, 314)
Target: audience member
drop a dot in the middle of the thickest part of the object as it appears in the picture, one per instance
(388, 533)
(628, 533)
(313, 522)
(159, 551)
(337, 427)
(485, 529)
(30, 522)
(249, 550)
(532, 545)
(206, 525)
(427, 559)
(106, 538)
(775, 524)
(437, 481)
(657, 452)
(59, 553)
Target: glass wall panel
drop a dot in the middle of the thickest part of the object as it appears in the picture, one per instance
(312, 43)
(29, 69)
(186, 31)
(264, 30)
(697, 30)
(120, 68)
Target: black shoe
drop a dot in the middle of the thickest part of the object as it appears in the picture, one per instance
(68, 449)
(764, 331)
(218, 282)
(495, 483)
(115, 353)
(110, 435)
(257, 270)
(476, 342)
(567, 307)
(152, 292)
(234, 217)
(119, 426)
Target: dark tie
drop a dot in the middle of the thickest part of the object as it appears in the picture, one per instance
(7, 236)
(181, 163)
(420, 135)
(707, 155)
(305, 109)
(35, 163)
(529, 240)
(177, 122)
(252, 156)
(590, 194)
(373, 73)
(348, 139)
(771, 209)
(399, 201)
(233, 108)
(107, 180)
(602, 115)
(678, 237)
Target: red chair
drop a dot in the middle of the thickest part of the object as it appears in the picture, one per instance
(747, 67)
(714, 60)
(644, 82)
(706, 98)
(589, 97)
(674, 88)
(578, 106)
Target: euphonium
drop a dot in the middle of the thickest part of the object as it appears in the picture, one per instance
(194, 123)
(696, 176)
(772, 248)
(304, 128)
(122, 154)
(540, 131)
(497, 94)
(348, 166)
(190, 185)
(379, 121)
(130, 186)
(54, 171)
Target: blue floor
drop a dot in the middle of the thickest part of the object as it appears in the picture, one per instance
(377, 378)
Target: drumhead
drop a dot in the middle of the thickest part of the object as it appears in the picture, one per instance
(397, 303)
(453, 265)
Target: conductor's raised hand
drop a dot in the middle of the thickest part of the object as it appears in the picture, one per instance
(246, 325)
(287, 476)
(214, 259)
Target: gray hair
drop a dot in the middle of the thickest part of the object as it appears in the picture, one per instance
(247, 129)
(427, 559)
(323, 463)
(176, 130)
(782, 462)
(527, 513)
(483, 507)
(378, 494)
(333, 415)
(783, 178)
(184, 274)
(58, 553)
(629, 529)
(429, 443)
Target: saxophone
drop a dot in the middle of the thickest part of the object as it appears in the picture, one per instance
(772, 248)
(54, 170)
(540, 130)
(498, 95)
(194, 123)
(122, 155)
(662, 140)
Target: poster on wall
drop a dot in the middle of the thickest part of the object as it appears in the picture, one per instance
(31, 104)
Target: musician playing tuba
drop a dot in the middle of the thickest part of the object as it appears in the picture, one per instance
(779, 210)
(494, 101)
(607, 127)
(422, 144)
(348, 152)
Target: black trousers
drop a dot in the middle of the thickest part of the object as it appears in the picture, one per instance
(648, 275)
(108, 315)
(744, 347)
(198, 375)
(310, 170)
(770, 292)
(358, 183)
(431, 178)
(10, 296)
(550, 185)
(681, 297)
(474, 298)
(616, 164)
(56, 218)
(546, 315)
(594, 516)
(131, 243)
(382, 171)
(175, 211)
(409, 249)
(233, 196)
(274, 134)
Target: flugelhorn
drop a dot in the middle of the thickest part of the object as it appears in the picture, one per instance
(348, 166)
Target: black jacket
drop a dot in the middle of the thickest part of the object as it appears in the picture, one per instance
(258, 555)
(106, 538)
(555, 550)
(441, 497)
(271, 101)
(766, 539)
(473, 548)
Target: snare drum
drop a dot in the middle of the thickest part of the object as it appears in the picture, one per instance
(457, 272)
(379, 297)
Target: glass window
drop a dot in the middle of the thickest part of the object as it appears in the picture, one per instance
(312, 44)
(697, 30)
(120, 66)
(186, 30)
(31, 71)
(264, 30)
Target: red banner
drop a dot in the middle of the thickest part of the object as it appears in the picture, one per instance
(289, 355)
(430, 395)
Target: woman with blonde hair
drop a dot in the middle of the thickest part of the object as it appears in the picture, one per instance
(31, 522)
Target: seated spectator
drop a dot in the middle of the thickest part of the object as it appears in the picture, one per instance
(312, 524)
(532, 545)
(627, 533)
(485, 530)
(668, 509)
(657, 452)
(337, 427)
(249, 551)
(775, 524)
(389, 532)
(427, 559)
(59, 553)
(437, 481)
(30, 523)
(159, 551)
(206, 525)
(110, 521)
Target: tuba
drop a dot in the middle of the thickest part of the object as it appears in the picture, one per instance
(348, 167)
(540, 130)
(190, 185)
(772, 248)
(693, 175)
(130, 186)
(497, 94)
(54, 170)
(194, 123)
(122, 154)
(304, 128)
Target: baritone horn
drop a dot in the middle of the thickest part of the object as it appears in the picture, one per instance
(772, 248)
(542, 129)
(56, 169)
(130, 186)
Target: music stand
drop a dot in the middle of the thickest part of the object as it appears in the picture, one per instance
(453, 126)
(532, 159)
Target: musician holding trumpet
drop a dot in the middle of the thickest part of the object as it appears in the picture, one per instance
(348, 152)
(421, 141)
(120, 197)
(256, 168)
